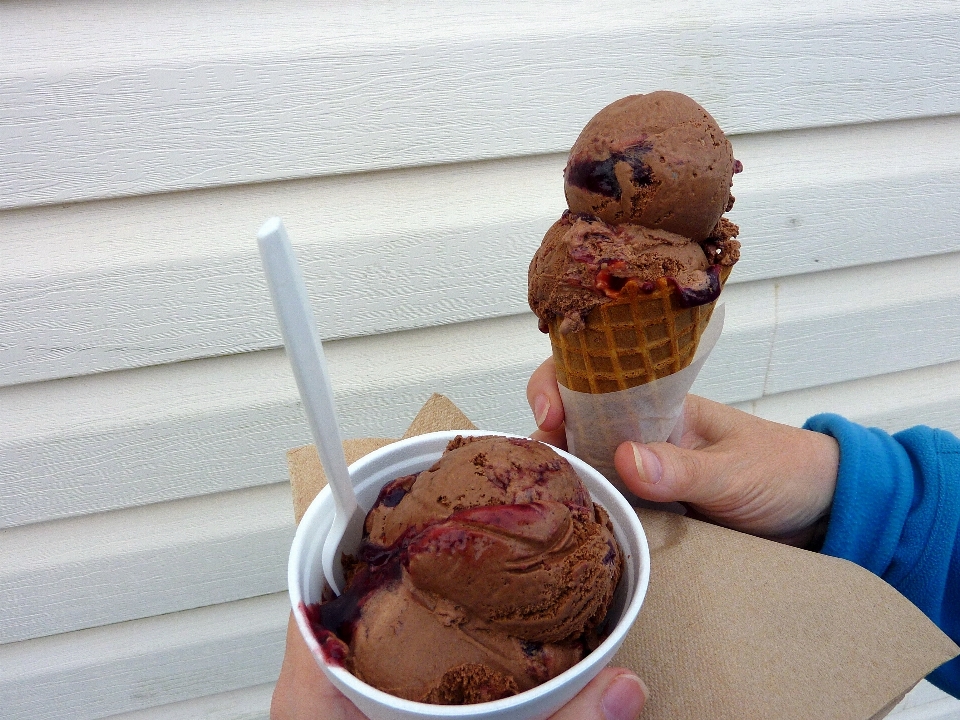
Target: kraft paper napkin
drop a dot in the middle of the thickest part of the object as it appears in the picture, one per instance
(738, 628)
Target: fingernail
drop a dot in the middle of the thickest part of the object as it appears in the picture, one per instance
(541, 408)
(648, 464)
(624, 698)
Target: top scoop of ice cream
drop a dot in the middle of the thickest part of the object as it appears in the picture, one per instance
(658, 160)
(474, 472)
(483, 576)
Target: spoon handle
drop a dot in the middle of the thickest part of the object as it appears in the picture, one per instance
(305, 353)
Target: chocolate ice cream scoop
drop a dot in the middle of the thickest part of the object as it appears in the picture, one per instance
(583, 262)
(658, 160)
(485, 575)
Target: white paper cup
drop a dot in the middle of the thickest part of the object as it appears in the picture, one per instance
(369, 474)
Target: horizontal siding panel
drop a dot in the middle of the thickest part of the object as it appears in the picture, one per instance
(251, 703)
(106, 441)
(396, 251)
(926, 702)
(218, 98)
(923, 396)
(947, 708)
(859, 322)
(818, 200)
(144, 663)
(101, 569)
(922, 694)
(109, 441)
(118, 284)
(165, 436)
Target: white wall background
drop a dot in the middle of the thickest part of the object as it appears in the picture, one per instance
(414, 150)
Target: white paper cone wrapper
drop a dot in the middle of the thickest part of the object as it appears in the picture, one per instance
(597, 423)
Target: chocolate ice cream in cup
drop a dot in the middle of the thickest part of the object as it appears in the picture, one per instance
(370, 474)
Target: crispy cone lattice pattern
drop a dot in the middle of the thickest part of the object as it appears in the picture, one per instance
(630, 341)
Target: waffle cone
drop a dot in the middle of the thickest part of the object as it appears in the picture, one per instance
(630, 341)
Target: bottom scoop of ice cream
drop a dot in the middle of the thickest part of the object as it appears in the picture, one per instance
(535, 571)
(584, 262)
(483, 576)
(422, 647)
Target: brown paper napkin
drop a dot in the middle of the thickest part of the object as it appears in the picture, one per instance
(734, 627)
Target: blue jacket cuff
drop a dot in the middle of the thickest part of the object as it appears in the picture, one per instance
(870, 500)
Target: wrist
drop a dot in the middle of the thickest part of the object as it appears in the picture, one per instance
(818, 534)
(823, 485)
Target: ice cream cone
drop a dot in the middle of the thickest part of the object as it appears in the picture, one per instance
(631, 341)
(632, 270)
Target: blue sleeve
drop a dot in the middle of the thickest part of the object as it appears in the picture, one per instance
(896, 512)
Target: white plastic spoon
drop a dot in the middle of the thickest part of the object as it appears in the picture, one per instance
(305, 352)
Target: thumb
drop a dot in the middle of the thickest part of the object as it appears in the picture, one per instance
(663, 472)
